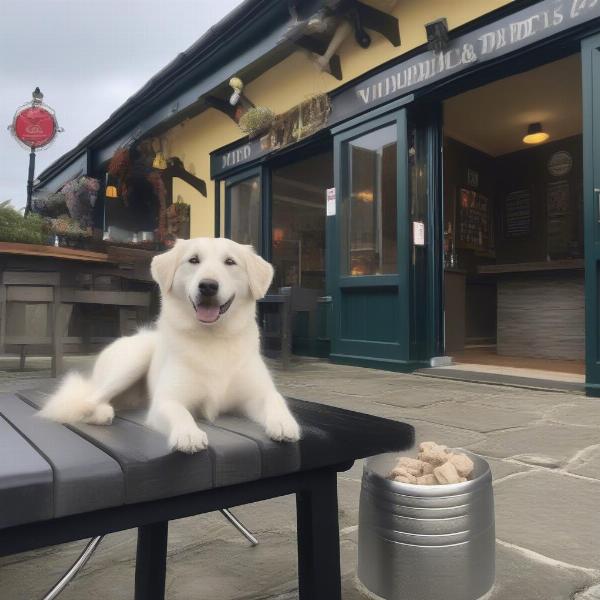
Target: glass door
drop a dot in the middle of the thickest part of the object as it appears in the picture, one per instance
(243, 209)
(368, 257)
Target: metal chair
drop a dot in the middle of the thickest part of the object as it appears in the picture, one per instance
(93, 544)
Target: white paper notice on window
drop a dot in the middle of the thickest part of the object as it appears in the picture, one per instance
(330, 202)
(418, 233)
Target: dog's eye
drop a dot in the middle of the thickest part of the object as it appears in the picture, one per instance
(194, 260)
(230, 261)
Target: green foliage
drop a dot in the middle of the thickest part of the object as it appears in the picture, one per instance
(256, 120)
(14, 227)
(65, 226)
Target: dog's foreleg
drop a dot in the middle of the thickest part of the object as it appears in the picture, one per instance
(265, 405)
(170, 415)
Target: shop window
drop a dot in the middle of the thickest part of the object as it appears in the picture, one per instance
(244, 212)
(370, 209)
(298, 216)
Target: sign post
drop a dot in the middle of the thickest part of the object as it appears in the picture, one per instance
(34, 126)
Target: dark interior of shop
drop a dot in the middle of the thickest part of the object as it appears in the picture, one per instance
(513, 223)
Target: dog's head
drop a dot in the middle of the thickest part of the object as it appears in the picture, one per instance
(212, 277)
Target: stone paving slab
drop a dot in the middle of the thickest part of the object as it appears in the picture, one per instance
(584, 412)
(587, 463)
(551, 514)
(529, 400)
(476, 417)
(450, 436)
(591, 594)
(559, 442)
(502, 468)
(421, 396)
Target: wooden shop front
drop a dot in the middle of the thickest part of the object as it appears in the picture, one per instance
(435, 230)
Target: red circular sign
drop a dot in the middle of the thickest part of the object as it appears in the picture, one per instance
(35, 126)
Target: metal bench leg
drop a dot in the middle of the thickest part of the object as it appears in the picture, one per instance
(64, 581)
(151, 562)
(319, 538)
(239, 526)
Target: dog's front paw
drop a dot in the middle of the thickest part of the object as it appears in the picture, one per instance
(103, 415)
(282, 427)
(188, 439)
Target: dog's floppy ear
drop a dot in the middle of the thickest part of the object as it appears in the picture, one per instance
(260, 273)
(164, 265)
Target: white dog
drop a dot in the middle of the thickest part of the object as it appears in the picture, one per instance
(202, 357)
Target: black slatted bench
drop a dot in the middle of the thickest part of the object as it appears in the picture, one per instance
(59, 484)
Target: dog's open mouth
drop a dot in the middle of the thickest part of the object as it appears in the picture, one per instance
(208, 311)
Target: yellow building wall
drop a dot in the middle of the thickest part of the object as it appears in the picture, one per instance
(291, 81)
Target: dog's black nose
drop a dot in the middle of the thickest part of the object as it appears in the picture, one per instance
(208, 287)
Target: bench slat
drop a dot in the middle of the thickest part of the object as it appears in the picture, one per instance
(277, 458)
(85, 478)
(26, 480)
(236, 459)
(150, 468)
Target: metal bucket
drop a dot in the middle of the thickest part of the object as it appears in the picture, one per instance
(418, 542)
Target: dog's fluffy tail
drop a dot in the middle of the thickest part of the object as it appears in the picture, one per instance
(118, 367)
(72, 402)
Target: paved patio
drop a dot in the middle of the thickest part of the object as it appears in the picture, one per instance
(543, 447)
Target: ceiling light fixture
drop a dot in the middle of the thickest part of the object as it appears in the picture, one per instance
(535, 134)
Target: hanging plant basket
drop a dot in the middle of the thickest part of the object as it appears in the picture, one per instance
(256, 120)
(312, 115)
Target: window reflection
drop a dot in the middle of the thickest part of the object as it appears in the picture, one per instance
(370, 207)
(244, 199)
(298, 211)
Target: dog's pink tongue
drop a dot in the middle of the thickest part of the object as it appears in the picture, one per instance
(207, 314)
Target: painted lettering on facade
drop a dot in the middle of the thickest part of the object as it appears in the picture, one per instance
(522, 28)
(236, 156)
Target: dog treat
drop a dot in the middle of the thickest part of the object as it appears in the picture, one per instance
(427, 479)
(434, 455)
(435, 464)
(446, 473)
(426, 445)
(427, 468)
(462, 463)
(401, 474)
(412, 465)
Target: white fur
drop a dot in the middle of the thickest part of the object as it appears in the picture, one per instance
(191, 367)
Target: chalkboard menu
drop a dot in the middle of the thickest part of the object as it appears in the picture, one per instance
(474, 229)
(559, 222)
(517, 214)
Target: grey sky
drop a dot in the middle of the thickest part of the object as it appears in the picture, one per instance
(87, 57)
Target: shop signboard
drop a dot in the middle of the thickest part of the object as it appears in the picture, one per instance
(528, 26)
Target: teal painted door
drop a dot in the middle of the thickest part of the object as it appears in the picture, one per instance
(368, 261)
(590, 60)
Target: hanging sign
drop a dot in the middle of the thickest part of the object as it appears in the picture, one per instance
(522, 28)
(34, 124)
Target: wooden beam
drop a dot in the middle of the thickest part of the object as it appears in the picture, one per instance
(175, 168)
